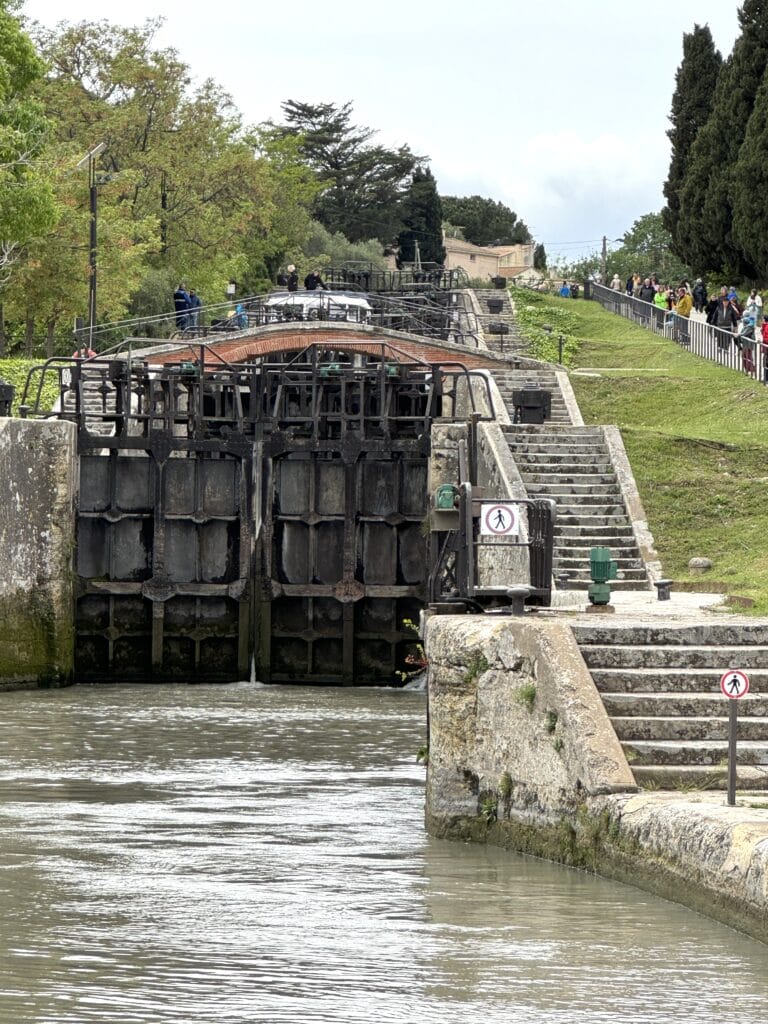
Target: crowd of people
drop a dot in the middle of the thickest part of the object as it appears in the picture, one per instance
(739, 319)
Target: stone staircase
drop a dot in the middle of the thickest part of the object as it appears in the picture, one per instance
(507, 344)
(573, 466)
(661, 688)
(98, 397)
(544, 377)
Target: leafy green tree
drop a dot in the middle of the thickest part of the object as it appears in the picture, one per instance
(423, 220)
(292, 189)
(692, 100)
(27, 206)
(181, 154)
(485, 221)
(363, 184)
(540, 257)
(50, 286)
(646, 248)
(705, 225)
(323, 248)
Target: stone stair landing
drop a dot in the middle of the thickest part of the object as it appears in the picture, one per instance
(661, 689)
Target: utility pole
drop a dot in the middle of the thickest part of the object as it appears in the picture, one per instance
(604, 259)
(163, 215)
(90, 160)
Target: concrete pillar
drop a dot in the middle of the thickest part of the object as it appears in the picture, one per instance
(37, 537)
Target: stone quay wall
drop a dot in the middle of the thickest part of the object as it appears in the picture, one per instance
(522, 755)
(37, 533)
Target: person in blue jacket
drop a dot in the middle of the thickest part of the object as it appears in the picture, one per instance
(181, 306)
(194, 308)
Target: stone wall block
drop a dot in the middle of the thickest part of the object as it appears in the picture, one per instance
(37, 534)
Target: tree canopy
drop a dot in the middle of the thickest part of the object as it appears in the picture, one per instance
(27, 205)
(423, 220)
(704, 234)
(692, 101)
(362, 185)
(185, 190)
(485, 221)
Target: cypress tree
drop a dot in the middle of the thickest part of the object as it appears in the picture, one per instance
(422, 220)
(705, 225)
(695, 80)
(750, 187)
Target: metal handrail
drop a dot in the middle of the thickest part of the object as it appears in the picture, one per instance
(735, 351)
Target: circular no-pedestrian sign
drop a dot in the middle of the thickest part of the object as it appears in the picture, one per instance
(500, 519)
(734, 683)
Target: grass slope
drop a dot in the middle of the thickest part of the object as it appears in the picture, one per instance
(696, 435)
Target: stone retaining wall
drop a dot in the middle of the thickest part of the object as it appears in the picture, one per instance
(522, 755)
(37, 467)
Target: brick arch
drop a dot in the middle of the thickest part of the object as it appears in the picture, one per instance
(293, 338)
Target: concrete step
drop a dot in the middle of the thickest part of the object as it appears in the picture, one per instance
(544, 452)
(619, 551)
(683, 729)
(552, 472)
(543, 430)
(630, 567)
(704, 634)
(582, 582)
(695, 752)
(577, 479)
(571, 508)
(678, 678)
(591, 521)
(609, 488)
(556, 458)
(690, 778)
(716, 659)
(580, 498)
(695, 704)
(589, 533)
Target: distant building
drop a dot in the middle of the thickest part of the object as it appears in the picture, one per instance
(488, 261)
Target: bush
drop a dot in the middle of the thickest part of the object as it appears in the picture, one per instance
(14, 371)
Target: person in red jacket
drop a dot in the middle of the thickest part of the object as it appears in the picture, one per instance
(84, 352)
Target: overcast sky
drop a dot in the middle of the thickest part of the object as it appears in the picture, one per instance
(558, 109)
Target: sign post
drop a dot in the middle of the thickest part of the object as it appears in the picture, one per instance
(734, 685)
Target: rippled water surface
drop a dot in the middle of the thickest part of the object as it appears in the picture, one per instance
(234, 854)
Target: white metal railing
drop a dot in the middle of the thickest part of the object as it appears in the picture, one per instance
(737, 351)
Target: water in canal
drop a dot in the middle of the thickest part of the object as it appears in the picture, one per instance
(256, 854)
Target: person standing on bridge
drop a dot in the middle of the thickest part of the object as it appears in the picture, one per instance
(313, 281)
(292, 280)
(194, 308)
(181, 305)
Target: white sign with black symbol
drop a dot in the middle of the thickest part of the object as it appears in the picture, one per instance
(499, 519)
(734, 684)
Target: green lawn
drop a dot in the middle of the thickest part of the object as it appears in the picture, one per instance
(696, 435)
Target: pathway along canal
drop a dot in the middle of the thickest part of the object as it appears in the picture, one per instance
(250, 854)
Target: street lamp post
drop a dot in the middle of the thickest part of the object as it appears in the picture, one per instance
(90, 160)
